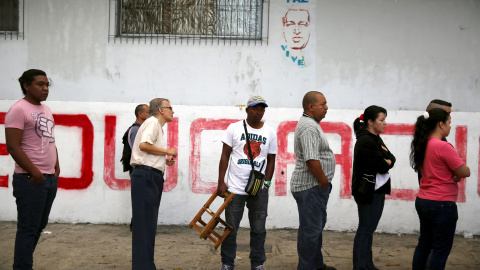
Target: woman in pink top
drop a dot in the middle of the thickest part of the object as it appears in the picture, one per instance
(441, 168)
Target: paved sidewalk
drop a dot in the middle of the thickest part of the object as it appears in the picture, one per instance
(89, 246)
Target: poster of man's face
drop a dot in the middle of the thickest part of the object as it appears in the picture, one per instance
(296, 28)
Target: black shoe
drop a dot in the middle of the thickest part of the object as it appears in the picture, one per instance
(325, 267)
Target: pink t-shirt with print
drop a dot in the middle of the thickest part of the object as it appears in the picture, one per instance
(38, 139)
(441, 159)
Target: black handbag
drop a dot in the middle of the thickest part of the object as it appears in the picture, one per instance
(256, 178)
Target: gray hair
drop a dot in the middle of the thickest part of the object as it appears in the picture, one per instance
(155, 104)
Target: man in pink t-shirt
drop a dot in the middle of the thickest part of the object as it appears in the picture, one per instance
(30, 140)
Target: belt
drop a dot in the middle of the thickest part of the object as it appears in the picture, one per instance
(145, 167)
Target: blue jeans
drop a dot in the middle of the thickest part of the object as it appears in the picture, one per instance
(369, 215)
(147, 187)
(438, 220)
(34, 202)
(312, 212)
(257, 215)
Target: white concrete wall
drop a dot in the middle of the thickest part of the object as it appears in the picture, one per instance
(375, 52)
(100, 202)
(396, 54)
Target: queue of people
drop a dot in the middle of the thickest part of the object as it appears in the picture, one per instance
(249, 146)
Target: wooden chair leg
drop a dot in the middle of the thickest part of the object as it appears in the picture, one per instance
(207, 230)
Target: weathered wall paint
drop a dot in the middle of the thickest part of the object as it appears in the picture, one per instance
(93, 187)
(399, 54)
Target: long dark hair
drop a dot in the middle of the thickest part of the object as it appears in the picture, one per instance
(370, 113)
(423, 130)
(29, 76)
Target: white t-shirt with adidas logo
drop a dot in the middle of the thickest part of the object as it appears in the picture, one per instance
(263, 141)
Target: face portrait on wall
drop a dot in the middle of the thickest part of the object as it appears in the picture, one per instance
(296, 28)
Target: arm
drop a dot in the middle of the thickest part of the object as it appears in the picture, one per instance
(153, 150)
(133, 133)
(455, 163)
(392, 159)
(461, 172)
(222, 169)
(315, 168)
(57, 165)
(270, 167)
(369, 156)
(13, 137)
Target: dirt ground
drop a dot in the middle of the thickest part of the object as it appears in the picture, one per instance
(104, 246)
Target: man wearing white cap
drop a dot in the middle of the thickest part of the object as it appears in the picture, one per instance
(236, 157)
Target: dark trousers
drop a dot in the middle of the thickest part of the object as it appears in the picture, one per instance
(438, 220)
(257, 215)
(147, 187)
(130, 174)
(369, 215)
(312, 212)
(34, 202)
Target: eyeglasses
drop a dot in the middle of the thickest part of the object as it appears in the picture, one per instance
(171, 108)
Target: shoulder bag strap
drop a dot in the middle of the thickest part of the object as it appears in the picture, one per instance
(248, 144)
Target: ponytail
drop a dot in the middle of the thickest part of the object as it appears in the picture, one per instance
(358, 124)
(370, 113)
(424, 127)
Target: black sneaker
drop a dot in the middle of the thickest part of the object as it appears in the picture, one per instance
(227, 267)
(325, 267)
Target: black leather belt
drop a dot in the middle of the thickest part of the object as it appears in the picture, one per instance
(145, 167)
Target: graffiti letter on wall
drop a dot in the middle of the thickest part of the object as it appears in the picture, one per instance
(461, 146)
(86, 177)
(171, 177)
(400, 193)
(3, 152)
(199, 125)
(283, 157)
(109, 156)
(86, 170)
(344, 159)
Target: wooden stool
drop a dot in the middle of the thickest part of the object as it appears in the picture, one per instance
(208, 230)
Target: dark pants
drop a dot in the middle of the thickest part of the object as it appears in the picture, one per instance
(312, 212)
(34, 202)
(147, 187)
(257, 215)
(130, 174)
(438, 220)
(369, 215)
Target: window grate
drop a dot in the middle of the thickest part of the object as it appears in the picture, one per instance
(11, 19)
(189, 21)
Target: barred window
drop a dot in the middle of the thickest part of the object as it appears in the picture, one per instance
(10, 19)
(186, 20)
